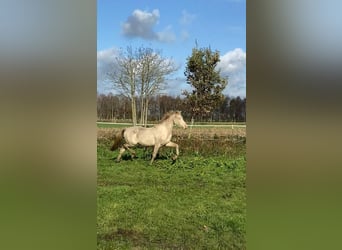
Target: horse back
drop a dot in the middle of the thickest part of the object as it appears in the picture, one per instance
(140, 135)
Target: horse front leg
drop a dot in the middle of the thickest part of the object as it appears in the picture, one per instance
(155, 151)
(173, 145)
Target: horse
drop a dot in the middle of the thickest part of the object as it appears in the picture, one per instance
(159, 135)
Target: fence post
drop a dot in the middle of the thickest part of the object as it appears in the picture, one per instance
(192, 123)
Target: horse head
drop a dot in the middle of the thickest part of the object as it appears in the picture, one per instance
(178, 120)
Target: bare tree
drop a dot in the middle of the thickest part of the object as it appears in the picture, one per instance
(123, 76)
(152, 70)
(140, 72)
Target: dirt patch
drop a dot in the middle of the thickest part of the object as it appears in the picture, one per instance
(138, 238)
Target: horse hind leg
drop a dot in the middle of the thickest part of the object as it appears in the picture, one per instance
(133, 154)
(122, 150)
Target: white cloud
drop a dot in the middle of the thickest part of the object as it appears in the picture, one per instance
(166, 35)
(105, 59)
(233, 65)
(187, 18)
(107, 55)
(185, 21)
(141, 24)
(176, 85)
(185, 35)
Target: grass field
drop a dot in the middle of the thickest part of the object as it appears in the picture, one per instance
(197, 203)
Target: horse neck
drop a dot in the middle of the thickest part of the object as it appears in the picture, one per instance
(167, 123)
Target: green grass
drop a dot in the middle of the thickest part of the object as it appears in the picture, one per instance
(197, 203)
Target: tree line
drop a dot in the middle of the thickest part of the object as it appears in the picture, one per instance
(138, 75)
(118, 108)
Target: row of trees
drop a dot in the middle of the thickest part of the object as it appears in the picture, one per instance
(118, 108)
(139, 74)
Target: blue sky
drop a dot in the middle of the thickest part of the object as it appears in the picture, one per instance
(173, 27)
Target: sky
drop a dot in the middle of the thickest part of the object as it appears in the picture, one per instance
(174, 27)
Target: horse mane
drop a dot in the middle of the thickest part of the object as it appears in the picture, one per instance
(168, 114)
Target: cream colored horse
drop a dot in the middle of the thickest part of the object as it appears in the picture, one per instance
(159, 135)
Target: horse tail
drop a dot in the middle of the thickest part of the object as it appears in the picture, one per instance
(118, 140)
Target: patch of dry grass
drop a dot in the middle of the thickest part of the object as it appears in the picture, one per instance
(198, 141)
(104, 134)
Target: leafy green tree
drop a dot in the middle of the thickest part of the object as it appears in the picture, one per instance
(202, 75)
